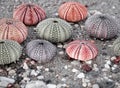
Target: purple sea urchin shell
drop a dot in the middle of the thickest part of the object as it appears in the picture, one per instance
(101, 26)
(40, 50)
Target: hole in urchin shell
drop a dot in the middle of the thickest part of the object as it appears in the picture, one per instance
(29, 5)
(55, 21)
(102, 17)
(2, 42)
(41, 43)
(9, 22)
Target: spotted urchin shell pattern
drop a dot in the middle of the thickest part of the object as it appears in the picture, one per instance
(81, 50)
(13, 30)
(101, 26)
(54, 30)
(29, 14)
(72, 11)
(116, 47)
(10, 51)
(41, 50)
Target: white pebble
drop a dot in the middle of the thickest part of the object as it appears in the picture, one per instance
(95, 86)
(81, 75)
(51, 86)
(76, 25)
(84, 84)
(63, 79)
(34, 73)
(113, 58)
(40, 77)
(89, 62)
(12, 72)
(74, 70)
(108, 62)
(25, 66)
(75, 62)
(65, 67)
(60, 45)
(47, 69)
(107, 66)
(61, 52)
(115, 66)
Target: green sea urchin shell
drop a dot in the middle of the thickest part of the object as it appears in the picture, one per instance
(54, 30)
(116, 47)
(10, 51)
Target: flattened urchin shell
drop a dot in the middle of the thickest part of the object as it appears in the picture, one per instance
(41, 50)
(54, 30)
(116, 47)
(10, 51)
(101, 26)
(29, 14)
(81, 50)
(13, 29)
(72, 11)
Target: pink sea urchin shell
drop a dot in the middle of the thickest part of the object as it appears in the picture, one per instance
(29, 14)
(82, 50)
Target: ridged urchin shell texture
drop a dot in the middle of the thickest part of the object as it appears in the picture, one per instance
(116, 47)
(29, 14)
(101, 26)
(41, 50)
(54, 30)
(72, 11)
(13, 30)
(10, 51)
(82, 50)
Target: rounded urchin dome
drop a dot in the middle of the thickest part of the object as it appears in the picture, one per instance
(101, 26)
(54, 30)
(81, 50)
(10, 51)
(41, 50)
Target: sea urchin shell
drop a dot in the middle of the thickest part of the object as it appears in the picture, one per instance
(29, 14)
(54, 30)
(81, 50)
(13, 29)
(40, 50)
(72, 11)
(101, 26)
(10, 51)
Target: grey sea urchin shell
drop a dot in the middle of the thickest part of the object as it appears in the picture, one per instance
(10, 51)
(101, 26)
(40, 50)
(54, 30)
(116, 47)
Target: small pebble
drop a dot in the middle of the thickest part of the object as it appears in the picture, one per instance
(25, 66)
(81, 75)
(51, 86)
(76, 25)
(112, 58)
(84, 84)
(95, 86)
(34, 73)
(63, 79)
(74, 70)
(65, 67)
(40, 77)
(107, 66)
(75, 63)
(89, 62)
(47, 69)
(60, 45)
(61, 52)
(12, 72)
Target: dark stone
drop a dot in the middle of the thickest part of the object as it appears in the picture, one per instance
(20, 70)
(107, 84)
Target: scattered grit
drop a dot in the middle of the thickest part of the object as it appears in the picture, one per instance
(62, 72)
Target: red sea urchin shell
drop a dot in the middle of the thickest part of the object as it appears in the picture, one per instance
(81, 50)
(13, 30)
(101, 26)
(29, 14)
(72, 11)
